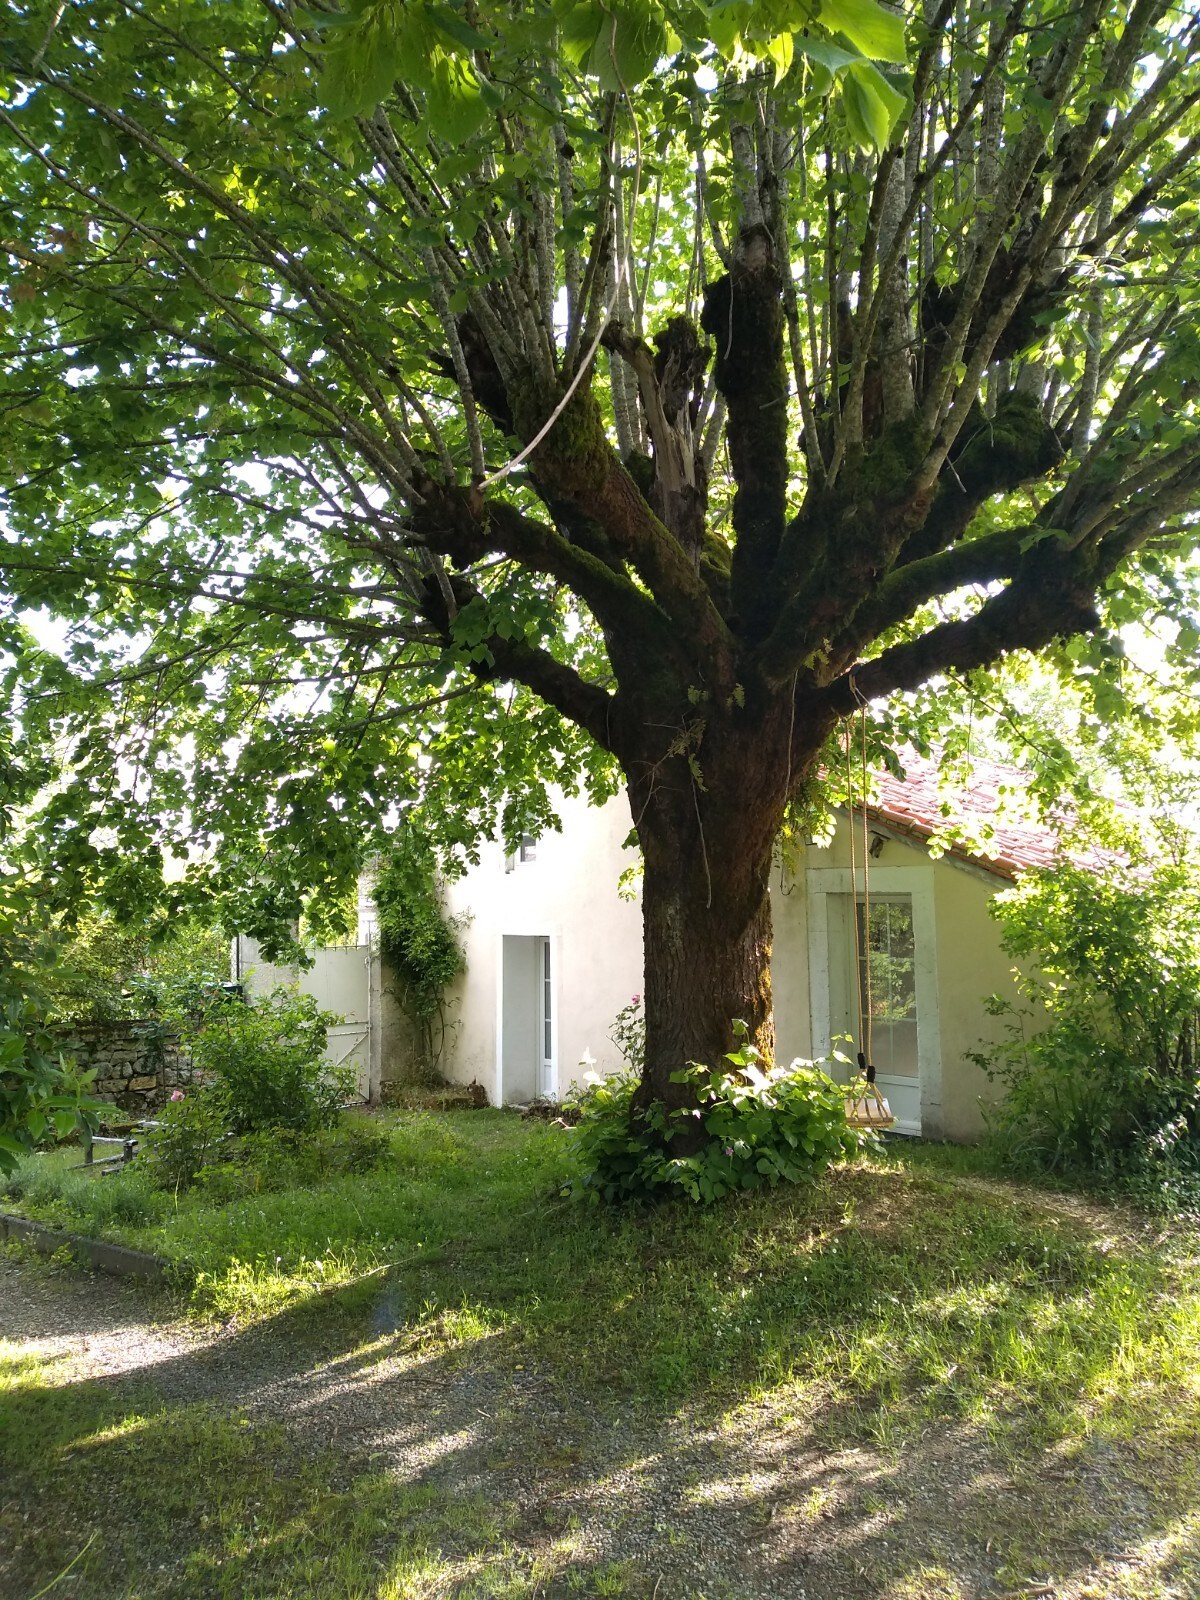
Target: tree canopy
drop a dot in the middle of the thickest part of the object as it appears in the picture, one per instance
(429, 401)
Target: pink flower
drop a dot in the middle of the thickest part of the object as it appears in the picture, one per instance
(178, 1094)
(636, 1001)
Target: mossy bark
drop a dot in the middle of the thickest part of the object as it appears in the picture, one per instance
(707, 819)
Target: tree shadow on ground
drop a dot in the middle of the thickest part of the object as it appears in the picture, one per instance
(364, 1435)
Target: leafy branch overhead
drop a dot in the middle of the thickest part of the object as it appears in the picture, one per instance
(420, 405)
(440, 52)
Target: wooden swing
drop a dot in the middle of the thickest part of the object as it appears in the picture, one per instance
(865, 1105)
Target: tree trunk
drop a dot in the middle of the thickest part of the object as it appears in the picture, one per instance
(705, 972)
(706, 910)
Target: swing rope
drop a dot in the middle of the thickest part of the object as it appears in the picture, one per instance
(865, 1107)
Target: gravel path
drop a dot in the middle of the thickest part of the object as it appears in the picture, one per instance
(740, 1506)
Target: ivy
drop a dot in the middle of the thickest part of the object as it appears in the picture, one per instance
(417, 940)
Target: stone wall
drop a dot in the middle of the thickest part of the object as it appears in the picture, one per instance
(135, 1063)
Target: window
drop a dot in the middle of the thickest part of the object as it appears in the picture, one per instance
(887, 981)
(528, 848)
(525, 851)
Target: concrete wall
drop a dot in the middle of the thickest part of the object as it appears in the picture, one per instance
(971, 966)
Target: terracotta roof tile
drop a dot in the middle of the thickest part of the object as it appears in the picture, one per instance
(1003, 843)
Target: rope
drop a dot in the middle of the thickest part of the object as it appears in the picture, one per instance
(862, 943)
(624, 274)
(858, 987)
(862, 717)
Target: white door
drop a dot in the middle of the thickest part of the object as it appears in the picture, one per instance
(874, 983)
(526, 1032)
(547, 1024)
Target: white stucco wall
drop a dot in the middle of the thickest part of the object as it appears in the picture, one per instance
(569, 894)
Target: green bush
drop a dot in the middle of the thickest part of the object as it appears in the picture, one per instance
(191, 1128)
(765, 1125)
(1108, 1087)
(628, 1033)
(268, 1055)
(44, 1095)
(106, 968)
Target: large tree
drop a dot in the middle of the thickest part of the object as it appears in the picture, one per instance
(404, 399)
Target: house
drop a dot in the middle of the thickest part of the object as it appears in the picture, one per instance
(553, 951)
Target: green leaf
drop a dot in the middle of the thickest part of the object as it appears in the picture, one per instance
(456, 105)
(628, 47)
(449, 21)
(579, 26)
(879, 34)
(825, 53)
(780, 50)
(873, 107)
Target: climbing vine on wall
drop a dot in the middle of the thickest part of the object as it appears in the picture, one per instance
(418, 941)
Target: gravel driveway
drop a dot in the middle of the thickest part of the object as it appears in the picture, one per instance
(742, 1505)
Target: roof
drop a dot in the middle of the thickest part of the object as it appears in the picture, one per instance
(984, 814)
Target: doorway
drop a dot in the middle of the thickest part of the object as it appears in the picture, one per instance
(873, 971)
(527, 1067)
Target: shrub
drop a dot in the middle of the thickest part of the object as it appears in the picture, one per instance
(108, 968)
(628, 1033)
(44, 1095)
(191, 1127)
(268, 1055)
(765, 1125)
(1109, 1085)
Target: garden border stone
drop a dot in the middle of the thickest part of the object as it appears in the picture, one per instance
(100, 1254)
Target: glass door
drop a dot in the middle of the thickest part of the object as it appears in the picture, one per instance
(546, 1024)
(873, 992)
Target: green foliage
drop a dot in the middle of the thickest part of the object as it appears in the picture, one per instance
(1109, 1086)
(268, 1057)
(452, 62)
(106, 969)
(418, 941)
(628, 1033)
(43, 1095)
(765, 1125)
(191, 1128)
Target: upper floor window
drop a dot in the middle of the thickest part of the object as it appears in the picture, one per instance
(525, 851)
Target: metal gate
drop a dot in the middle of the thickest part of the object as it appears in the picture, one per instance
(339, 980)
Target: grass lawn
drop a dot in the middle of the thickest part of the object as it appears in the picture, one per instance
(919, 1324)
